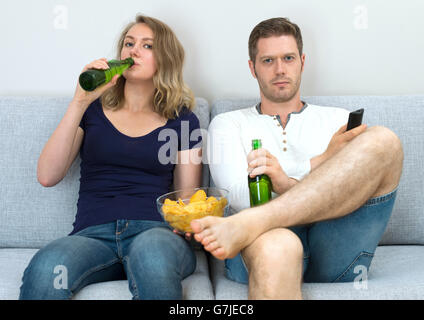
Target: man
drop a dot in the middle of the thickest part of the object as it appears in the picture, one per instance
(334, 190)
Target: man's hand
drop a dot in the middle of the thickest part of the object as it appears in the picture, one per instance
(260, 161)
(337, 142)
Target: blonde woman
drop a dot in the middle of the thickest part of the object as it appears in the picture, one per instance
(117, 128)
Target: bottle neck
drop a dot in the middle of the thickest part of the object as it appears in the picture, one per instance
(129, 61)
(256, 144)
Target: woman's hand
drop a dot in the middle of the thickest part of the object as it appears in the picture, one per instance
(187, 235)
(260, 161)
(84, 98)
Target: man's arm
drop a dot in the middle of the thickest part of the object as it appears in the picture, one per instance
(338, 141)
(227, 160)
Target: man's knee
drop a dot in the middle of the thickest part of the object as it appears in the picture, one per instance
(385, 141)
(390, 150)
(272, 250)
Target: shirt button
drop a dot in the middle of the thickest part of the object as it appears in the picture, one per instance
(284, 141)
(285, 149)
(284, 133)
(278, 125)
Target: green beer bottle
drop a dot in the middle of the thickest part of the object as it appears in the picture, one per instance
(93, 78)
(260, 187)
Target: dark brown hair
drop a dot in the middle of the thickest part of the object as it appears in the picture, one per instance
(273, 27)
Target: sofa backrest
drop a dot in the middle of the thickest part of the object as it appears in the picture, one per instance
(31, 215)
(405, 116)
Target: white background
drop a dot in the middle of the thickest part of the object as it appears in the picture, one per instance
(369, 47)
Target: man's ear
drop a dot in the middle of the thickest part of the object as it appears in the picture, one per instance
(303, 62)
(252, 68)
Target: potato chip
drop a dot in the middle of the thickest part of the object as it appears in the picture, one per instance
(168, 201)
(211, 199)
(223, 202)
(179, 215)
(200, 195)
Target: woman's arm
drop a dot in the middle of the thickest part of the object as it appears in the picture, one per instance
(188, 170)
(188, 173)
(62, 147)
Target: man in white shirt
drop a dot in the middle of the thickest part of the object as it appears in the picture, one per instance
(333, 189)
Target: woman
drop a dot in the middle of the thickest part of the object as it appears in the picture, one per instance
(117, 128)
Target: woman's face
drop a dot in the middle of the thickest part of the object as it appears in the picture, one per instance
(138, 44)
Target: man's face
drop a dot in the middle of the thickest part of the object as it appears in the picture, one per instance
(278, 68)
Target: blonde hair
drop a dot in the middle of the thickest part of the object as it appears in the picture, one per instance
(171, 93)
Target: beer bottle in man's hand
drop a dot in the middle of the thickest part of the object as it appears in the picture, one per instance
(260, 187)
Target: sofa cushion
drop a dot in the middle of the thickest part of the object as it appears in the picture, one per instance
(31, 215)
(395, 273)
(13, 262)
(405, 116)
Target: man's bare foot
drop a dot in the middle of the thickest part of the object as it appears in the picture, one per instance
(224, 237)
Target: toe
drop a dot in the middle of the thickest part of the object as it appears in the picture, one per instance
(212, 246)
(219, 253)
(196, 226)
(208, 239)
(202, 235)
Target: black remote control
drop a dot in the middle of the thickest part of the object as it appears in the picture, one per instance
(355, 119)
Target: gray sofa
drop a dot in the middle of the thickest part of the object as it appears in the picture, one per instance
(31, 216)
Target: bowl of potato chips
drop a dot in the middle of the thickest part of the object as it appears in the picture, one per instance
(179, 208)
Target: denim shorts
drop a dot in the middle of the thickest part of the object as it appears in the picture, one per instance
(333, 249)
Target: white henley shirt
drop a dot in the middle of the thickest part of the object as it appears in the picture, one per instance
(306, 135)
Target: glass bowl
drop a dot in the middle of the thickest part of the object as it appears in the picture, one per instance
(179, 208)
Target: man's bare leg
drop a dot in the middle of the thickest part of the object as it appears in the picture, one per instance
(368, 166)
(275, 264)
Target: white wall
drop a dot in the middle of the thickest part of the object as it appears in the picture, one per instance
(352, 47)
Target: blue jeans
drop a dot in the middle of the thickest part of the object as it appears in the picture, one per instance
(147, 253)
(334, 248)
